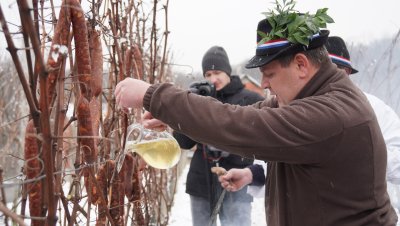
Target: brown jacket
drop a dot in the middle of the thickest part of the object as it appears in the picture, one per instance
(326, 152)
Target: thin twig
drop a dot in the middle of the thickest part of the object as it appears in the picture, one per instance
(11, 214)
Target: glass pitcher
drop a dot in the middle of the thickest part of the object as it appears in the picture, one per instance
(158, 149)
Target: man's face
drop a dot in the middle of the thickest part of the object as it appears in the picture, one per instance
(219, 78)
(284, 82)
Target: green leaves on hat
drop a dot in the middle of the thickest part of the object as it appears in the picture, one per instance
(289, 24)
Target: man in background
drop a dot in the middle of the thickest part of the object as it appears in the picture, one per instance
(202, 185)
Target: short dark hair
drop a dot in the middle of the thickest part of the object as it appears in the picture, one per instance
(317, 57)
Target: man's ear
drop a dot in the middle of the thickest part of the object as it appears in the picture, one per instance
(302, 64)
(348, 70)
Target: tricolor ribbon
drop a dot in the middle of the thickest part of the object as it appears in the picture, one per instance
(278, 43)
(340, 59)
(273, 44)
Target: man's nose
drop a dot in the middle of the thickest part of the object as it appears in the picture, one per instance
(265, 83)
(213, 79)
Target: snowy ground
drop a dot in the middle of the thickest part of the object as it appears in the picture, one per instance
(181, 215)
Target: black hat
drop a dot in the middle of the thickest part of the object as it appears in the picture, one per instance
(338, 52)
(273, 49)
(216, 59)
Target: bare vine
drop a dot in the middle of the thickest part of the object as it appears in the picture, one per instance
(75, 131)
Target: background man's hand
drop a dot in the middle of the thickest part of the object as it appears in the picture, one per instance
(236, 179)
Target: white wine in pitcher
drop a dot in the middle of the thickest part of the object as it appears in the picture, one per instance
(161, 153)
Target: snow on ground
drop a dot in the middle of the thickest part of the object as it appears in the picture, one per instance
(181, 214)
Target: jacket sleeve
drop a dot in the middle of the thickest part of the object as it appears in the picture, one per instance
(288, 134)
(255, 98)
(389, 124)
(259, 171)
(184, 141)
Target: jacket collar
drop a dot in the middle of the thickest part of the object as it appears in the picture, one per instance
(324, 75)
(231, 88)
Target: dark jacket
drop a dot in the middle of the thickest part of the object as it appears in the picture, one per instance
(200, 180)
(326, 153)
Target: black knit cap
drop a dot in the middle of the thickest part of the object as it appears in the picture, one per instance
(338, 52)
(216, 59)
(274, 49)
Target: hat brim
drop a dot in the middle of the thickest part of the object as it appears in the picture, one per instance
(353, 70)
(261, 60)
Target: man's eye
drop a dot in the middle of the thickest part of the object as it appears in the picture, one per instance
(270, 75)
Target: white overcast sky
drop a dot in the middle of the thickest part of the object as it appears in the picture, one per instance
(196, 25)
